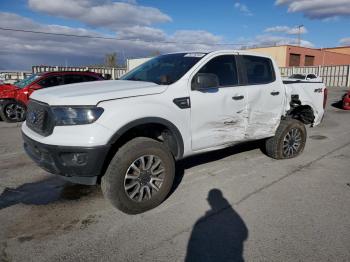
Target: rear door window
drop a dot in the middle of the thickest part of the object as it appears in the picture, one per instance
(88, 78)
(258, 70)
(51, 81)
(72, 79)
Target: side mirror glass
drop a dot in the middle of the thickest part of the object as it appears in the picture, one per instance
(204, 81)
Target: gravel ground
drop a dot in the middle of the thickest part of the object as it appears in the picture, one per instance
(230, 205)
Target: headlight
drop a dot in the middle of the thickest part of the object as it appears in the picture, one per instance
(76, 115)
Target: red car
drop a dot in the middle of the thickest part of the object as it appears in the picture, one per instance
(14, 98)
(346, 101)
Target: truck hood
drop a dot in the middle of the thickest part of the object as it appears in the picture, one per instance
(91, 93)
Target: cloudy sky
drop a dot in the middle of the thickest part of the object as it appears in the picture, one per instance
(143, 27)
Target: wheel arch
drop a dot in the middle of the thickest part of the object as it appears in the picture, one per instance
(176, 144)
(10, 99)
(303, 112)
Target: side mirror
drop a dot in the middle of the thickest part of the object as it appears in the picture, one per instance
(204, 81)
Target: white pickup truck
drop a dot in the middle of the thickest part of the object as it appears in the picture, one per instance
(127, 134)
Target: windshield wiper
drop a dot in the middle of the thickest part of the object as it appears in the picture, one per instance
(135, 79)
(139, 79)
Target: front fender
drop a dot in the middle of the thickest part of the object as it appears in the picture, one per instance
(152, 120)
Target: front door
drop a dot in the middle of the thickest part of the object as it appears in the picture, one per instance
(218, 114)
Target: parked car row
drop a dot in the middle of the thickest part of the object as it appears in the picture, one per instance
(14, 98)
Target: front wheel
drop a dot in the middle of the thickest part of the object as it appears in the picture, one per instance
(289, 140)
(13, 111)
(140, 176)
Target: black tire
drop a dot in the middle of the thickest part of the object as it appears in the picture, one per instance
(277, 147)
(113, 182)
(13, 111)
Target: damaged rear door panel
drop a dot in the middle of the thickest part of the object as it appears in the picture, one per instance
(265, 96)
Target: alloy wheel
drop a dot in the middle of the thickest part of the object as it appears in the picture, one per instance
(292, 142)
(144, 178)
(15, 112)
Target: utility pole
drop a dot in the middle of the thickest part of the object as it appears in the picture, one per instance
(299, 34)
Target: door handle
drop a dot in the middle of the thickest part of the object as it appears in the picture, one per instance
(237, 97)
(275, 93)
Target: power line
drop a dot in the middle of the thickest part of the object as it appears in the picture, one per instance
(113, 38)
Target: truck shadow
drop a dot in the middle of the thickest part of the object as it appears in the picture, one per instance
(44, 192)
(338, 104)
(54, 189)
(219, 235)
(212, 156)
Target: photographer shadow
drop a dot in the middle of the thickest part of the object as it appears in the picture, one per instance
(219, 235)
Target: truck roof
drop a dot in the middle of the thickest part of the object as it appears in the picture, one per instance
(225, 51)
(68, 72)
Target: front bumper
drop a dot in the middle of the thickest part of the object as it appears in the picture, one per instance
(81, 165)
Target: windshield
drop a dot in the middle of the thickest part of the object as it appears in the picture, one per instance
(164, 69)
(297, 76)
(23, 83)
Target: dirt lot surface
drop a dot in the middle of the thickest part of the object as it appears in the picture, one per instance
(227, 205)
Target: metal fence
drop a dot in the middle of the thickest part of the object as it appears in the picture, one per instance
(12, 77)
(112, 73)
(332, 76)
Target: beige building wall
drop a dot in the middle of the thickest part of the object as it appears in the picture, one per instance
(135, 62)
(278, 53)
(329, 56)
(341, 50)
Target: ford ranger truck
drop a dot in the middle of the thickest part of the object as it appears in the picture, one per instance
(127, 134)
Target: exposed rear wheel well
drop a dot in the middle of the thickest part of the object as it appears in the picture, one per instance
(303, 113)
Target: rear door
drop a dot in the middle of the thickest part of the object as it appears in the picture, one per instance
(73, 78)
(217, 114)
(51, 80)
(265, 96)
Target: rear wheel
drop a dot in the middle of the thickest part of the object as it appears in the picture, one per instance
(289, 140)
(140, 176)
(13, 111)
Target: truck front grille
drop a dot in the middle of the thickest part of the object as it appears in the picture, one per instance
(40, 118)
